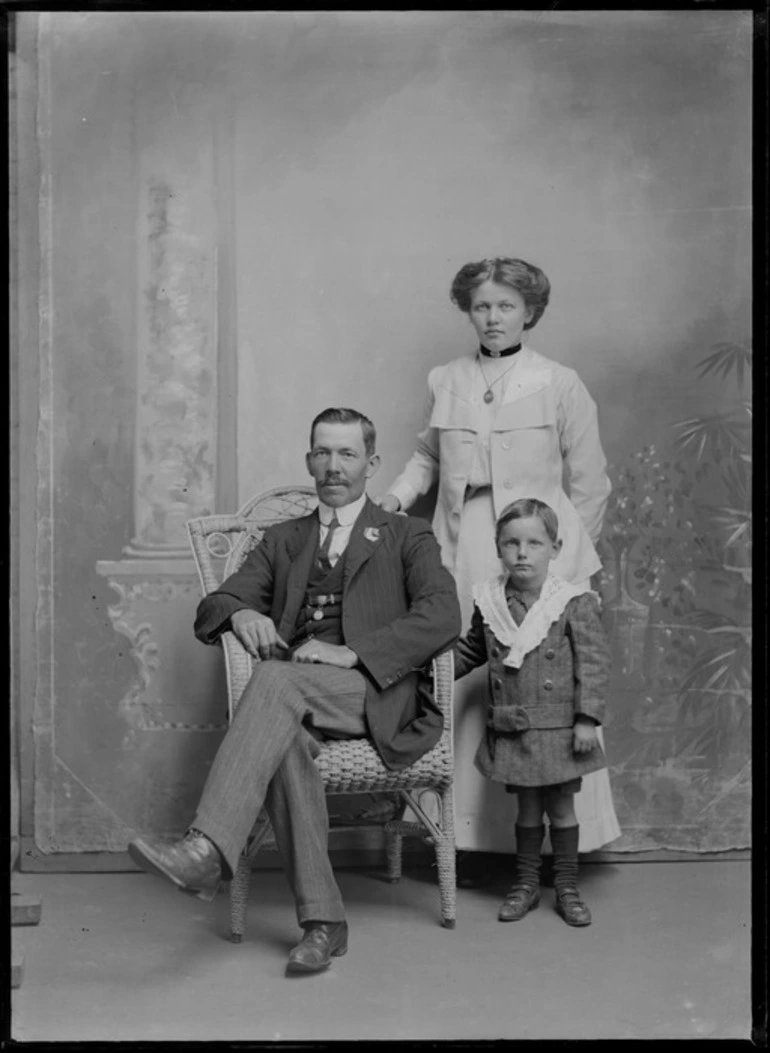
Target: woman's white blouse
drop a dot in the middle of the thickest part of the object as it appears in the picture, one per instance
(575, 418)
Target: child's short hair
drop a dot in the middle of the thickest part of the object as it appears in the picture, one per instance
(523, 509)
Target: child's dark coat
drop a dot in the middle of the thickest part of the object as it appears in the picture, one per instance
(531, 710)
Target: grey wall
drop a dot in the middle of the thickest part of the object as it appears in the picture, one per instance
(377, 153)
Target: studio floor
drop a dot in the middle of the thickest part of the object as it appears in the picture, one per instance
(127, 957)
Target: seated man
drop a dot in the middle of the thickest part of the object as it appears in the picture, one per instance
(345, 607)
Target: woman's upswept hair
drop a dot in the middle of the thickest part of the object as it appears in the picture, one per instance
(342, 415)
(523, 509)
(527, 279)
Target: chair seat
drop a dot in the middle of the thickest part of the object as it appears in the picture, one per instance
(354, 766)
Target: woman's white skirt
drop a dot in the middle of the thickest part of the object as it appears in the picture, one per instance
(485, 815)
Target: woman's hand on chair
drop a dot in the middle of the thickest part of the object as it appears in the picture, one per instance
(257, 633)
(389, 503)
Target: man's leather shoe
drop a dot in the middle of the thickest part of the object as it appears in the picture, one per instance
(323, 940)
(193, 864)
(570, 906)
(520, 900)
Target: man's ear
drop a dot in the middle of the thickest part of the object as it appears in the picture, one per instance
(307, 463)
(373, 465)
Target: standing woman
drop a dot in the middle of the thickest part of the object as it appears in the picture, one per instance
(505, 422)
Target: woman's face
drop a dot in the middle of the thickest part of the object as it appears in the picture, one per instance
(498, 314)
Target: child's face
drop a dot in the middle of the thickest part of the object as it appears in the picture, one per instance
(526, 551)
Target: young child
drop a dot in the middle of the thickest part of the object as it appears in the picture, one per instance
(548, 670)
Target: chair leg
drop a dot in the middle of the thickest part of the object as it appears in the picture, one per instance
(445, 860)
(394, 841)
(239, 897)
(393, 847)
(239, 886)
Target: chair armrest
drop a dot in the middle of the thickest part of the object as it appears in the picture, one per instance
(238, 666)
(444, 686)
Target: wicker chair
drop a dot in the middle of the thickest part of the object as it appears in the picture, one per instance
(220, 544)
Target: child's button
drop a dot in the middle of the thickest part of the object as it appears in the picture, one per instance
(548, 685)
(550, 654)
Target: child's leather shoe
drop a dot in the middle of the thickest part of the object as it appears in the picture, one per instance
(520, 900)
(569, 905)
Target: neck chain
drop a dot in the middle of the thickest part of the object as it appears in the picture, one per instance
(489, 394)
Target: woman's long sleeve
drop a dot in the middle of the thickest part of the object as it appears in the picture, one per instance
(422, 468)
(589, 484)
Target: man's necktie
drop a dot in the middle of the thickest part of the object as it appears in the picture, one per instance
(323, 552)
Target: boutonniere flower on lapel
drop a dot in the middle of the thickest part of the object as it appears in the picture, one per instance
(372, 534)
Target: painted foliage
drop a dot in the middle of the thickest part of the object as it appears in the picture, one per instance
(676, 587)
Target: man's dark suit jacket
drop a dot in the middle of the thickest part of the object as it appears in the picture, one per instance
(399, 610)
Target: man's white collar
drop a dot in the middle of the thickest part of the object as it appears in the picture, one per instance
(346, 514)
(489, 597)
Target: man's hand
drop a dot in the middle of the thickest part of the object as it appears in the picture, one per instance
(329, 654)
(257, 633)
(584, 737)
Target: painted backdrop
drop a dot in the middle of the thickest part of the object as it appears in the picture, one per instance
(250, 216)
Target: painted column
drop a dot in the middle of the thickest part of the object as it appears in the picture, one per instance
(176, 402)
(175, 445)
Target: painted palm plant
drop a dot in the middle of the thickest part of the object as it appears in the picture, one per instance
(677, 548)
(715, 691)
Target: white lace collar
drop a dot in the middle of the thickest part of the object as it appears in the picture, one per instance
(521, 639)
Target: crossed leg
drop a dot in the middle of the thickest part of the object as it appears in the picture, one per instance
(266, 758)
